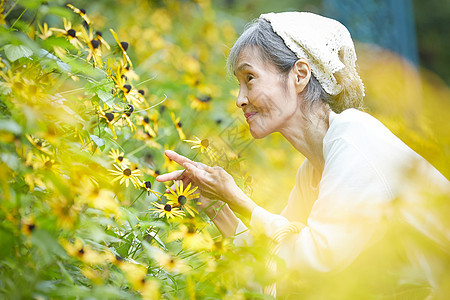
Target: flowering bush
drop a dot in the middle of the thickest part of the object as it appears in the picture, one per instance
(82, 134)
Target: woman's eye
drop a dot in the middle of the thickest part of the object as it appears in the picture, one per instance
(249, 77)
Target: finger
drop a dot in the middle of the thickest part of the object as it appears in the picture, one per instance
(194, 170)
(180, 159)
(169, 176)
(203, 166)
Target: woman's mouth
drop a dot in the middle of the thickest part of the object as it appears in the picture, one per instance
(249, 115)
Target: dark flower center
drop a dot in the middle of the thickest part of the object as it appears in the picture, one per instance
(127, 172)
(127, 87)
(124, 45)
(95, 44)
(205, 99)
(119, 258)
(146, 120)
(129, 110)
(141, 92)
(205, 143)
(48, 164)
(83, 11)
(148, 184)
(157, 172)
(179, 124)
(167, 207)
(31, 227)
(71, 33)
(191, 229)
(109, 116)
(120, 158)
(98, 33)
(81, 251)
(182, 200)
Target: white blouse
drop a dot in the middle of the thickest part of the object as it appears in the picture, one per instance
(366, 167)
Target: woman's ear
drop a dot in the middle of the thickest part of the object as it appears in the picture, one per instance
(302, 74)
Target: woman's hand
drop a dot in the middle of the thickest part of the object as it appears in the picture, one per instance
(213, 182)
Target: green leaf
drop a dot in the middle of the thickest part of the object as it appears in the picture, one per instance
(10, 160)
(106, 97)
(98, 141)
(7, 241)
(10, 126)
(47, 244)
(14, 52)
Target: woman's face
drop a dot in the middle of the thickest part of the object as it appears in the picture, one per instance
(267, 97)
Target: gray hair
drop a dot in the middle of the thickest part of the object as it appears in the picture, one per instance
(272, 48)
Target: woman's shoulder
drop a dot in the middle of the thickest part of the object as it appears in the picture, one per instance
(362, 131)
(365, 136)
(354, 122)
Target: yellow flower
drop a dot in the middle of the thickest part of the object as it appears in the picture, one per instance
(69, 33)
(45, 31)
(127, 71)
(109, 117)
(66, 212)
(119, 157)
(145, 121)
(200, 103)
(28, 225)
(167, 210)
(84, 253)
(147, 138)
(178, 125)
(131, 94)
(123, 46)
(126, 114)
(106, 202)
(136, 275)
(169, 263)
(94, 50)
(46, 163)
(147, 186)
(94, 275)
(81, 12)
(2, 13)
(39, 144)
(191, 238)
(204, 147)
(181, 196)
(33, 180)
(124, 174)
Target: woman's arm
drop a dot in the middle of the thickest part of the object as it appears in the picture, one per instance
(221, 214)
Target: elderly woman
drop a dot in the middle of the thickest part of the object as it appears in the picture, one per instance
(297, 76)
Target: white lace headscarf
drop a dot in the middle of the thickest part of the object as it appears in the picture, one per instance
(324, 42)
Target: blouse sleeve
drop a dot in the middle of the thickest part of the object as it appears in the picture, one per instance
(345, 219)
(242, 235)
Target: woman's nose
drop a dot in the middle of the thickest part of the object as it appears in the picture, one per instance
(241, 100)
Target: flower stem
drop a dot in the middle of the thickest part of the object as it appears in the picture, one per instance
(136, 199)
